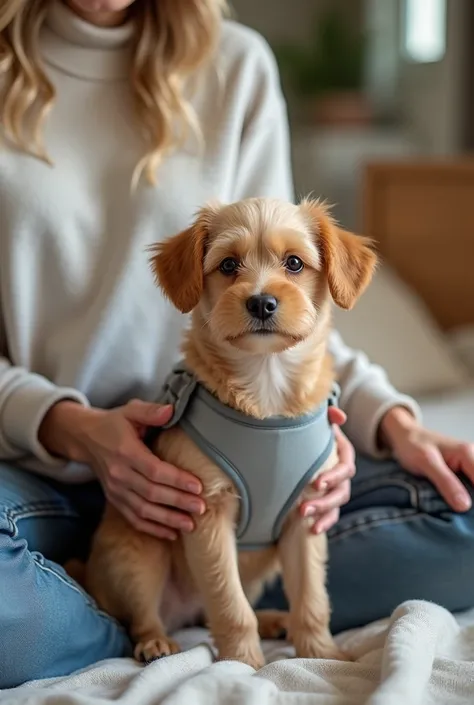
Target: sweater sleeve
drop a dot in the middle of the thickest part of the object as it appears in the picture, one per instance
(265, 170)
(366, 396)
(25, 398)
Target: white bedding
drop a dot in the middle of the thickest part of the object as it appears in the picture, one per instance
(421, 656)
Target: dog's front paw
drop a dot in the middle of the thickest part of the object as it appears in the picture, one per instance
(309, 644)
(155, 648)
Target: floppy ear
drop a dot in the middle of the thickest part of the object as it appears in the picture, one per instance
(348, 259)
(178, 263)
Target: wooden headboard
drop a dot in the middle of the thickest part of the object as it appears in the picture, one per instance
(422, 217)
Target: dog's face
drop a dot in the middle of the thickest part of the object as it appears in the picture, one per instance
(260, 271)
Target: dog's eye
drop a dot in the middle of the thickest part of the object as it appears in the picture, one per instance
(228, 266)
(294, 264)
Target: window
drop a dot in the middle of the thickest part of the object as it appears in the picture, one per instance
(424, 30)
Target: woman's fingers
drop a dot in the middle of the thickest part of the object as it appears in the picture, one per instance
(146, 511)
(432, 465)
(326, 522)
(147, 527)
(330, 479)
(345, 468)
(139, 457)
(467, 459)
(147, 413)
(461, 459)
(345, 448)
(332, 500)
(163, 494)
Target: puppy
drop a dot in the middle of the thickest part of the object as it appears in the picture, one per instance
(259, 276)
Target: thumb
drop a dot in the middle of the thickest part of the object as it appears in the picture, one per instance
(146, 413)
(336, 416)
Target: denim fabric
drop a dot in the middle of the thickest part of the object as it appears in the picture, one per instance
(396, 540)
(48, 625)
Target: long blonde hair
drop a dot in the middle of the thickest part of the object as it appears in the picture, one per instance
(174, 38)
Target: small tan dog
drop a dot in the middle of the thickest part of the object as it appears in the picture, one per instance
(265, 359)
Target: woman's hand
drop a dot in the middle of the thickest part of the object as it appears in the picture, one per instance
(155, 497)
(335, 484)
(431, 455)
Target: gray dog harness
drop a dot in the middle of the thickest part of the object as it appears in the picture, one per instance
(269, 461)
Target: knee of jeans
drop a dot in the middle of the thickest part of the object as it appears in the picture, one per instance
(23, 617)
(48, 625)
(31, 614)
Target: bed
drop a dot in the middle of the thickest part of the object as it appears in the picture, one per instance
(418, 321)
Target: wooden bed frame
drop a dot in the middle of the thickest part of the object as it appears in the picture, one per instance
(421, 216)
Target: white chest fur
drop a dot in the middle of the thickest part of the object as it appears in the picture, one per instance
(269, 379)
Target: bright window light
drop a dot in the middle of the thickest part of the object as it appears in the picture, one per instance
(424, 31)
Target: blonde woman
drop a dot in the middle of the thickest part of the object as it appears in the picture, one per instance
(118, 119)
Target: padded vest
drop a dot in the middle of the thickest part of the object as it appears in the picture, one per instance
(269, 461)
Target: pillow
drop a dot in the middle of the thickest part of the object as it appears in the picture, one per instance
(461, 343)
(392, 325)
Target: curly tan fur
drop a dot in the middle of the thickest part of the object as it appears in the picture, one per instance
(128, 573)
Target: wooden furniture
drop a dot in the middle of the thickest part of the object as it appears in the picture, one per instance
(422, 217)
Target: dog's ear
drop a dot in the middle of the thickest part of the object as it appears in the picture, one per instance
(178, 262)
(348, 259)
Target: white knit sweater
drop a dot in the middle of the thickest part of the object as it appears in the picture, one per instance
(80, 316)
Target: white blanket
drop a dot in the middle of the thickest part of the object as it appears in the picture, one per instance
(421, 656)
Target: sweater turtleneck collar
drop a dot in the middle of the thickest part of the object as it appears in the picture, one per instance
(84, 50)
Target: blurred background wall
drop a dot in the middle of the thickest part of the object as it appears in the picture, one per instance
(413, 97)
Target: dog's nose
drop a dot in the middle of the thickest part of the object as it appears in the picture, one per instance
(262, 306)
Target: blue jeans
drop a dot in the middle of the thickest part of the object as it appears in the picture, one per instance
(396, 540)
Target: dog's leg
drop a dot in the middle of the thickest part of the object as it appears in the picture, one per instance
(126, 573)
(144, 595)
(303, 557)
(257, 568)
(212, 557)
